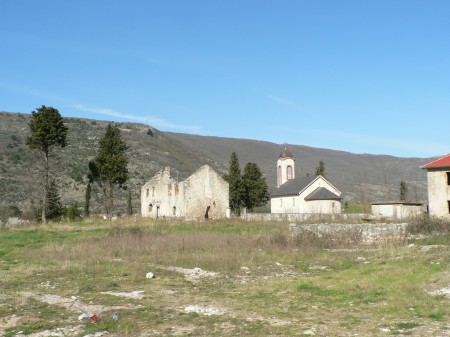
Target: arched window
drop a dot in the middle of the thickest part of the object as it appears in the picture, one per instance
(279, 175)
(150, 208)
(289, 172)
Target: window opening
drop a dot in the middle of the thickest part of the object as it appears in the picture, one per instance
(150, 208)
(147, 193)
(153, 191)
(448, 178)
(174, 210)
(289, 172)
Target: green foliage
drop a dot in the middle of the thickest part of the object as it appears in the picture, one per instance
(320, 170)
(72, 212)
(54, 207)
(87, 199)
(109, 168)
(256, 190)
(47, 129)
(236, 187)
(403, 190)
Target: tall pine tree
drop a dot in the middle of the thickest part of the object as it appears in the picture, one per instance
(47, 131)
(109, 167)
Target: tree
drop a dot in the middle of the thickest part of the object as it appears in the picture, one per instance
(109, 167)
(403, 190)
(236, 187)
(47, 131)
(320, 170)
(256, 190)
(87, 199)
(129, 206)
(54, 207)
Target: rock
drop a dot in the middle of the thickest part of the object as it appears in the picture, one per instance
(150, 275)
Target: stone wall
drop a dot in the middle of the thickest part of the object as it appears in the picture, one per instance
(369, 232)
(299, 217)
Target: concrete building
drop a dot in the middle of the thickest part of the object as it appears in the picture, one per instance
(310, 195)
(203, 195)
(397, 209)
(438, 176)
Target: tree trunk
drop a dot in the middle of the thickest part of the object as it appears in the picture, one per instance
(45, 192)
(111, 199)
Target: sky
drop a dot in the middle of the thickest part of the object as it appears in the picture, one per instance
(357, 76)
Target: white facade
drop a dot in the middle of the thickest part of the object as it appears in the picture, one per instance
(203, 195)
(397, 210)
(439, 192)
(285, 168)
(300, 203)
(438, 176)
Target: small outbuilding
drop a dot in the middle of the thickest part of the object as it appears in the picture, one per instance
(397, 209)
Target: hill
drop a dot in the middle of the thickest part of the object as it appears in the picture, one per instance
(149, 151)
(361, 177)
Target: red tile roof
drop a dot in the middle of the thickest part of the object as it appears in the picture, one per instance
(441, 162)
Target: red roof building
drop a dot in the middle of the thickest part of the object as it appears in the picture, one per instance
(438, 177)
(438, 163)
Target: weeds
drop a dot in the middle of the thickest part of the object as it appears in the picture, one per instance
(267, 282)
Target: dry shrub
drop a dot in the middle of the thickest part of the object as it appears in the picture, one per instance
(426, 224)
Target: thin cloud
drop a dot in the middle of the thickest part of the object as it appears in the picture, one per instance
(412, 146)
(288, 103)
(143, 119)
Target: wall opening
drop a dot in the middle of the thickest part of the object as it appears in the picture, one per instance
(157, 211)
(289, 172)
(448, 206)
(448, 178)
(207, 212)
(174, 210)
(147, 193)
(279, 175)
(150, 208)
(153, 191)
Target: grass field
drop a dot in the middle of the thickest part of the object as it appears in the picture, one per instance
(216, 279)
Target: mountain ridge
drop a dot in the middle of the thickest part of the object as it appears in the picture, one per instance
(360, 177)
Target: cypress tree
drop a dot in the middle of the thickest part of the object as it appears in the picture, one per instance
(110, 164)
(256, 190)
(236, 187)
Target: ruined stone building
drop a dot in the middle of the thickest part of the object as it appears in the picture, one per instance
(438, 177)
(203, 195)
(312, 195)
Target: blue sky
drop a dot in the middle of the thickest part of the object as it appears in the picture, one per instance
(358, 76)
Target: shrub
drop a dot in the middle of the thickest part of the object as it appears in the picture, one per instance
(72, 213)
(426, 224)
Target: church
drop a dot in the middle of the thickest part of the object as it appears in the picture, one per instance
(307, 195)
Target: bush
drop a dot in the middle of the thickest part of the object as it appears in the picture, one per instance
(426, 224)
(72, 213)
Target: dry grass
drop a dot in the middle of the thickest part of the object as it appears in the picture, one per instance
(266, 282)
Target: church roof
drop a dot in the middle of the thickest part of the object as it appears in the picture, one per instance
(285, 154)
(440, 162)
(293, 186)
(321, 193)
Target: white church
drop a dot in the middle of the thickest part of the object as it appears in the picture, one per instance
(308, 195)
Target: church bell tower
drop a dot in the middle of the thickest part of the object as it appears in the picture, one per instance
(285, 167)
